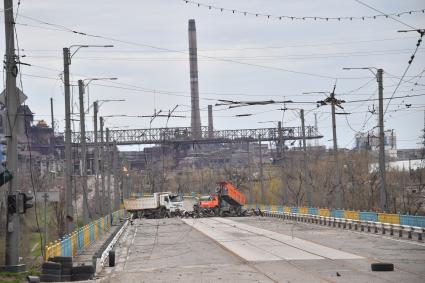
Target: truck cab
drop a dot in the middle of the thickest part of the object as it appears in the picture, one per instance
(171, 202)
(208, 201)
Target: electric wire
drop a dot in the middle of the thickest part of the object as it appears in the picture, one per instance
(303, 18)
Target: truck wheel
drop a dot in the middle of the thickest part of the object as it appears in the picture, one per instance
(216, 211)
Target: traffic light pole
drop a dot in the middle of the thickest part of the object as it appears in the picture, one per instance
(12, 103)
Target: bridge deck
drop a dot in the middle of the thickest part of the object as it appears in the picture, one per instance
(254, 249)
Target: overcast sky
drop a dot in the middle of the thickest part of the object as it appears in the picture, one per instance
(241, 58)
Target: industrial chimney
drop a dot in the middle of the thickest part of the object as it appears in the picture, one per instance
(194, 87)
(210, 122)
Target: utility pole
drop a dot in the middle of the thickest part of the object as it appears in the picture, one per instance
(263, 196)
(83, 143)
(334, 102)
(102, 168)
(108, 162)
(249, 171)
(69, 215)
(306, 185)
(97, 202)
(282, 163)
(316, 128)
(51, 114)
(335, 152)
(12, 104)
(116, 179)
(383, 190)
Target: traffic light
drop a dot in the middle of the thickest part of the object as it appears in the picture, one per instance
(11, 204)
(24, 202)
(5, 175)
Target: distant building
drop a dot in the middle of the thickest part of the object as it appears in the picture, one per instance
(370, 141)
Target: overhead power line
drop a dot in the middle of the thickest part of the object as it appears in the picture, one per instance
(391, 16)
(70, 30)
(303, 18)
(418, 44)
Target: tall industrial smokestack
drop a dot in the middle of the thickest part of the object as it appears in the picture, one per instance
(210, 122)
(194, 87)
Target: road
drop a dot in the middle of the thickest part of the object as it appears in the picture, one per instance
(256, 249)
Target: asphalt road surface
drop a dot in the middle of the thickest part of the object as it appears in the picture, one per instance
(256, 249)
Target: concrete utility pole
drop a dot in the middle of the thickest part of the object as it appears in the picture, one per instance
(51, 114)
(316, 128)
(337, 174)
(83, 143)
(263, 192)
(97, 202)
(249, 171)
(69, 213)
(282, 163)
(116, 179)
(108, 159)
(383, 190)
(306, 185)
(12, 104)
(102, 169)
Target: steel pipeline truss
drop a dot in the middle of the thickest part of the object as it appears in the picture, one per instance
(183, 135)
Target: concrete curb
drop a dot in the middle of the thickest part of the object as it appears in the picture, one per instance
(100, 256)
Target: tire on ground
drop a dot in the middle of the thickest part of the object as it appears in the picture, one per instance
(51, 271)
(84, 269)
(381, 266)
(67, 271)
(51, 265)
(66, 278)
(111, 258)
(66, 265)
(50, 278)
(61, 259)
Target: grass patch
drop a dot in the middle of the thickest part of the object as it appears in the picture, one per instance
(10, 277)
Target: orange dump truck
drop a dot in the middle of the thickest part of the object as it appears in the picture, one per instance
(228, 200)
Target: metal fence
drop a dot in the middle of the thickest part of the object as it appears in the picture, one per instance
(74, 243)
(409, 220)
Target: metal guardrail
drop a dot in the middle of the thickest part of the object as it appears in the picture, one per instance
(407, 220)
(72, 244)
(410, 232)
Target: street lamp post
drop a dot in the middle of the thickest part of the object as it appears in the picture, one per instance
(67, 56)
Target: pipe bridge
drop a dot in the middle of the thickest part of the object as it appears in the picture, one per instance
(184, 135)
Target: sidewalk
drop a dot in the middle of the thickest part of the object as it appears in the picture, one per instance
(86, 256)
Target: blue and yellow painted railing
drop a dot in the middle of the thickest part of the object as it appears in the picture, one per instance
(408, 220)
(78, 240)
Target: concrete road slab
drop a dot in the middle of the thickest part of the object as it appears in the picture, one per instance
(256, 244)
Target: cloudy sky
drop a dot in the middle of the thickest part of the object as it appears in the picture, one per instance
(240, 58)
